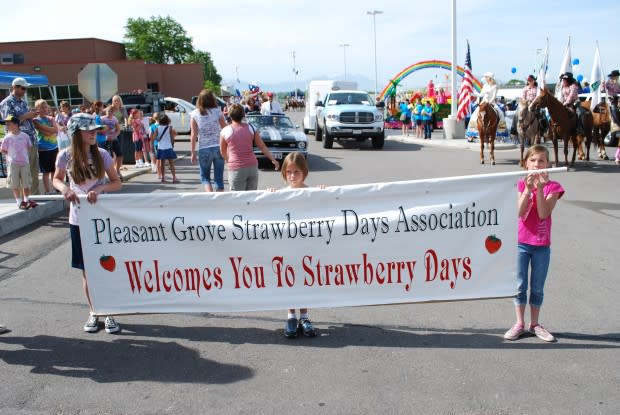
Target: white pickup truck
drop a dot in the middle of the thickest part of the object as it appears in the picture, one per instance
(349, 114)
(178, 111)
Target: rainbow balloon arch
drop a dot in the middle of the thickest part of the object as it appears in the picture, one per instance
(390, 88)
(441, 110)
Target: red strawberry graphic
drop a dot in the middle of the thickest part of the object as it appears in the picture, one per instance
(107, 262)
(492, 244)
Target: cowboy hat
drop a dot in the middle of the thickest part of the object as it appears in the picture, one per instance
(567, 75)
(614, 73)
(488, 75)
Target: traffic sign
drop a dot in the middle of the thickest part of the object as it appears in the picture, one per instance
(97, 81)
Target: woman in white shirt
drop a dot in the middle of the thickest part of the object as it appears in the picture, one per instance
(488, 93)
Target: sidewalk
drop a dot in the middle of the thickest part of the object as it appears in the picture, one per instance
(438, 140)
(12, 218)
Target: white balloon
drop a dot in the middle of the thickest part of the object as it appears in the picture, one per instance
(576, 69)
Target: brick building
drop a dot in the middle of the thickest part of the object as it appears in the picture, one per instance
(62, 60)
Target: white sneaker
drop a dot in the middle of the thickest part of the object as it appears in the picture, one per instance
(147, 164)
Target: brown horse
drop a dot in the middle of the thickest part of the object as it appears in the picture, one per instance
(601, 125)
(563, 124)
(487, 128)
(528, 127)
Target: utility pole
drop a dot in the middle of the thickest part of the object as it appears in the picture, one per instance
(344, 47)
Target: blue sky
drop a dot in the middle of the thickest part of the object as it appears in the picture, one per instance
(258, 37)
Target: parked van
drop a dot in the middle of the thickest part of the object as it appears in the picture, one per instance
(317, 90)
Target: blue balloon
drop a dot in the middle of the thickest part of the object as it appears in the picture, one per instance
(580, 78)
(575, 61)
(513, 70)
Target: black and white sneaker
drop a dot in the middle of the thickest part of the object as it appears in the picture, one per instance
(92, 324)
(111, 326)
(306, 327)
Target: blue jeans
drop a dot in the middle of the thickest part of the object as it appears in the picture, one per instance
(428, 128)
(538, 258)
(207, 157)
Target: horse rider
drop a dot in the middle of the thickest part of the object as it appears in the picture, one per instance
(570, 98)
(612, 88)
(488, 93)
(531, 90)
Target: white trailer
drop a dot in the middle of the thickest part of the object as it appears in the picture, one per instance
(316, 92)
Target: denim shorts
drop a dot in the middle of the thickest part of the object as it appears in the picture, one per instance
(77, 259)
(207, 157)
(537, 258)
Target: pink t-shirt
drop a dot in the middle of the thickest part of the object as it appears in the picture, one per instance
(82, 188)
(16, 147)
(532, 229)
(240, 139)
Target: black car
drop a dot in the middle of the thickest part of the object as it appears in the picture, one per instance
(279, 133)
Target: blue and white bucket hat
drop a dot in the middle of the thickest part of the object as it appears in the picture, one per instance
(84, 122)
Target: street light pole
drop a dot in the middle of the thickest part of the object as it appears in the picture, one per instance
(295, 74)
(374, 13)
(344, 51)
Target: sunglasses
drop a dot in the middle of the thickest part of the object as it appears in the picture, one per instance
(21, 87)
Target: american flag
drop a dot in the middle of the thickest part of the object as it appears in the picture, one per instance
(466, 90)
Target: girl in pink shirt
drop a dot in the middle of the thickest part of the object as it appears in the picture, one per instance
(237, 142)
(537, 198)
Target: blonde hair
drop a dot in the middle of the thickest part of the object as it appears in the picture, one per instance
(117, 98)
(39, 102)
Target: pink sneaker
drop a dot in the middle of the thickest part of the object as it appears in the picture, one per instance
(515, 332)
(542, 333)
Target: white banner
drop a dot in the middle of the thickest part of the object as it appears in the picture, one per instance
(403, 242)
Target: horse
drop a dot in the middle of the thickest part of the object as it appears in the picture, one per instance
(563, 124)
(528, 127)
(601, 125)
(487, 128)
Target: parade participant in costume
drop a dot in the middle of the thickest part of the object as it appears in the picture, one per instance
(569, 94)
(430, 89)
(441, 97)
(488, 94)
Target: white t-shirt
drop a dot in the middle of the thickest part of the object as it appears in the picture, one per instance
(268, 108)
(208, 127)
(165, 139)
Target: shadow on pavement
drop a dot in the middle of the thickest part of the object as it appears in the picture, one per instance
(338, 336)
(120, 360)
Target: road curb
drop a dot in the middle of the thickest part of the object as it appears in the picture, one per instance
(18, 219)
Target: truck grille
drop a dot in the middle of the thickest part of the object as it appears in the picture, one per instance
(357, 117)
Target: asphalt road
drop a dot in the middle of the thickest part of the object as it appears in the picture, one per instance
(443, 358)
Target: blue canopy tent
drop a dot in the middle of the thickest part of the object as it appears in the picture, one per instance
(6, 78)
(35, 80)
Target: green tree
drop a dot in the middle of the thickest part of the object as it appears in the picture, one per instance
(157, 40)
(210, 72)
(216, 88)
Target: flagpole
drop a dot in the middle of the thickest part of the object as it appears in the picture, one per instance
(451, 127)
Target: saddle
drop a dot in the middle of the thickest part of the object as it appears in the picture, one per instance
(576, 111)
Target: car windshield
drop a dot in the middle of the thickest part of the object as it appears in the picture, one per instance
(344, 98)
(270, 121)
(184, 103)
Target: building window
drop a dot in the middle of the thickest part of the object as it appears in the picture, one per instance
(152, 86)
(67, 93)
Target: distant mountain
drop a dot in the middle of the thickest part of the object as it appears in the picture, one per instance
(363, 82)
